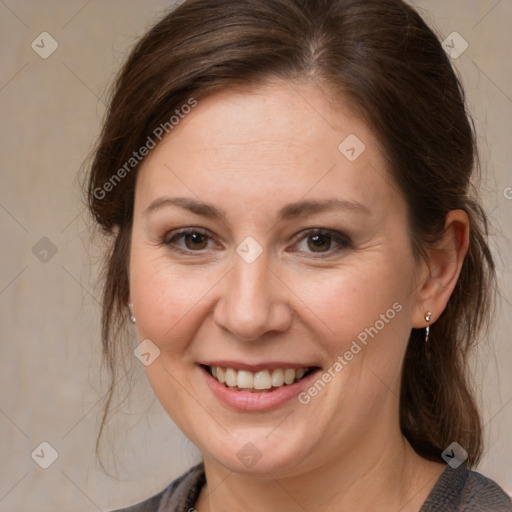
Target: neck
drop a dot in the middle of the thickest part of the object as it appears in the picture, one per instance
(384, 475)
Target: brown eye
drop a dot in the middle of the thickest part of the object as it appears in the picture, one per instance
(188, 241)
(195, 241)
(323, 242)
(319, 242)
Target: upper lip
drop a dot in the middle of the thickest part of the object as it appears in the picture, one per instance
(270, 365)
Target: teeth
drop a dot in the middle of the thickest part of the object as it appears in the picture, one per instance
(244, 379)
(277, 377)
(262, 380)
(231, 377)
(289, 375)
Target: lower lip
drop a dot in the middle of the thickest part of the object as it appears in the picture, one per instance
(257, 401)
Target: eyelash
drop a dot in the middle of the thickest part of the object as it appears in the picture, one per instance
(341, 240)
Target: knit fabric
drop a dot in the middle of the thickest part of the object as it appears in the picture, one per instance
(457, 490)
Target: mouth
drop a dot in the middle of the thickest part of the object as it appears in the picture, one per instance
(261, 381)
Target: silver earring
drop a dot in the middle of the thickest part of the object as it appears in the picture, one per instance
(132, 319)
(427, 329)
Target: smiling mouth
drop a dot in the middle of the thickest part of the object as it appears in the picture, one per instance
(263, 381)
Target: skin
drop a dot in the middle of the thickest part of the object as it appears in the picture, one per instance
(250, 153)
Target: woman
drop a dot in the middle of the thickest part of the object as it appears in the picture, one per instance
(287, 187)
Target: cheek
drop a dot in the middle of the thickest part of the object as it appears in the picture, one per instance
(355, 302)
(167, 298)
(353, 296)
(364, 309)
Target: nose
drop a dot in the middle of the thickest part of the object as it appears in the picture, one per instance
(253, 301)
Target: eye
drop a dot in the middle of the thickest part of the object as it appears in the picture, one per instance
(322, 241)
(317, 241)
(193, 240)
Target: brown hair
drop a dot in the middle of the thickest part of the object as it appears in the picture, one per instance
(383, 57)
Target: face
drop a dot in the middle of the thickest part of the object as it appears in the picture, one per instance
(262, 247)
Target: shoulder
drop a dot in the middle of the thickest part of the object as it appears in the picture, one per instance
(481, 491)
(462, 490)
(179, 495)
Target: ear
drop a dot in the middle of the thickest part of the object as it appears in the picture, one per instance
(442, 268)
(129, 303)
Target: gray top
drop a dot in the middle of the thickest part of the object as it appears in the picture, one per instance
(457, 490)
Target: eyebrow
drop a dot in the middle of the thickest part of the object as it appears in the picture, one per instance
(291, 210)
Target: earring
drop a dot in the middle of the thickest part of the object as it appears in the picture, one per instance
(427, 329)
(132, 317)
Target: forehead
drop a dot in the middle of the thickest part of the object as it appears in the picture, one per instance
(279, 140)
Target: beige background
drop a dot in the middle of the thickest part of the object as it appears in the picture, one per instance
(51, 111)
